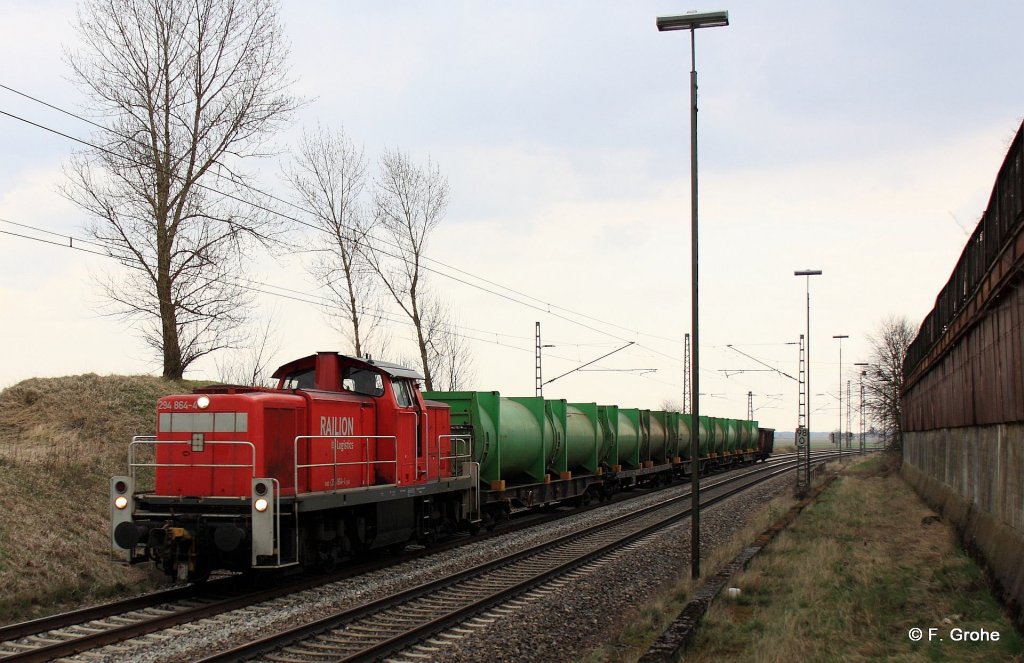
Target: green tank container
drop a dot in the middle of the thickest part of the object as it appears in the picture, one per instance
(660, 424)
(644, 428)
(721, 442)
(683, 436)
(657, 433)
(584, 437)
(707, 436)
(744, 434)
(628, 438)
(752, 436)
(513, 438)
(732, 435)
(556, 413)
(608, 420)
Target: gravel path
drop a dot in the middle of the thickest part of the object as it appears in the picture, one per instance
(574, 616)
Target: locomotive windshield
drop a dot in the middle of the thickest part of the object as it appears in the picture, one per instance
(403, 392)
(304, 378)
(362, 381)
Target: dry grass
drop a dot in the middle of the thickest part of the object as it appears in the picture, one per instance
(60, 441)
(647, 622)
(860, 567)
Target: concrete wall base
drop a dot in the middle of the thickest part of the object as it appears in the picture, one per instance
(931, 458)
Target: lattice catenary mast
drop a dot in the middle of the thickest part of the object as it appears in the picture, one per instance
(803, 441)
(686, 375)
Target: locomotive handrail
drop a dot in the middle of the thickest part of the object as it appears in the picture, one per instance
(334, 465)
(151, 440)
(454, 457)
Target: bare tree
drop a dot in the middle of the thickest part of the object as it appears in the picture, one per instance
(669, 405)
(883, 383)
(329, 178)
(186, 89)
(409, 203)
(251, 364)
(449, 353)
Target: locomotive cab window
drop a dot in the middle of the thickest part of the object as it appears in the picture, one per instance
(304, 378)
(403, 392)
(362, 381)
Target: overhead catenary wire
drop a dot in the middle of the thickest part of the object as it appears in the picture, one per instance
(261, 287)
(318, 300)
(544, 307)
(548, 305)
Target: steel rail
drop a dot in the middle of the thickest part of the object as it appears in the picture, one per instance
(45, 646)
(311, 630)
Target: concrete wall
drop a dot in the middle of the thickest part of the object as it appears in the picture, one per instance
(974, 476)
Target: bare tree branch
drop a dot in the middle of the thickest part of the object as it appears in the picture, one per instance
(449, 353)
(409, 202)
(328, 177)
(883, 384)
(252, 364)
(187, 89)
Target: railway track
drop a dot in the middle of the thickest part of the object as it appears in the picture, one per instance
(414, 616)
(70, 633)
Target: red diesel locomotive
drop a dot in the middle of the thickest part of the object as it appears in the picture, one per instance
(343, 456)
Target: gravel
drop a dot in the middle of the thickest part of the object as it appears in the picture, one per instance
(562, 620)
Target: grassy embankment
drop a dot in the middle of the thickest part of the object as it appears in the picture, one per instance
(61, 439)
(847, 581)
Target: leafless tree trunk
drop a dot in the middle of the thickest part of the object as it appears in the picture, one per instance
(186, 89)
(409, 202)
(329, 177)
(883, 383)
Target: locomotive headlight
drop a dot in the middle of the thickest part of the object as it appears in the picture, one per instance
(203, 402)
(261, 505)
(121, 502)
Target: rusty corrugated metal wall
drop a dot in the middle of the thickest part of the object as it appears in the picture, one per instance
(966, 366)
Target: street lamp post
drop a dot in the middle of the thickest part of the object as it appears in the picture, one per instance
(841, 337)
(806, 457)
(692, 21)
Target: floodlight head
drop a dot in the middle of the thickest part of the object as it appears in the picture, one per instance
(693, 20)
(807, 272)
(840, 336)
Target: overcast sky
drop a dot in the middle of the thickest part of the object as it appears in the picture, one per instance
(861, 139)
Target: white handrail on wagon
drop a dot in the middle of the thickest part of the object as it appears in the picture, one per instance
(335, 464)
